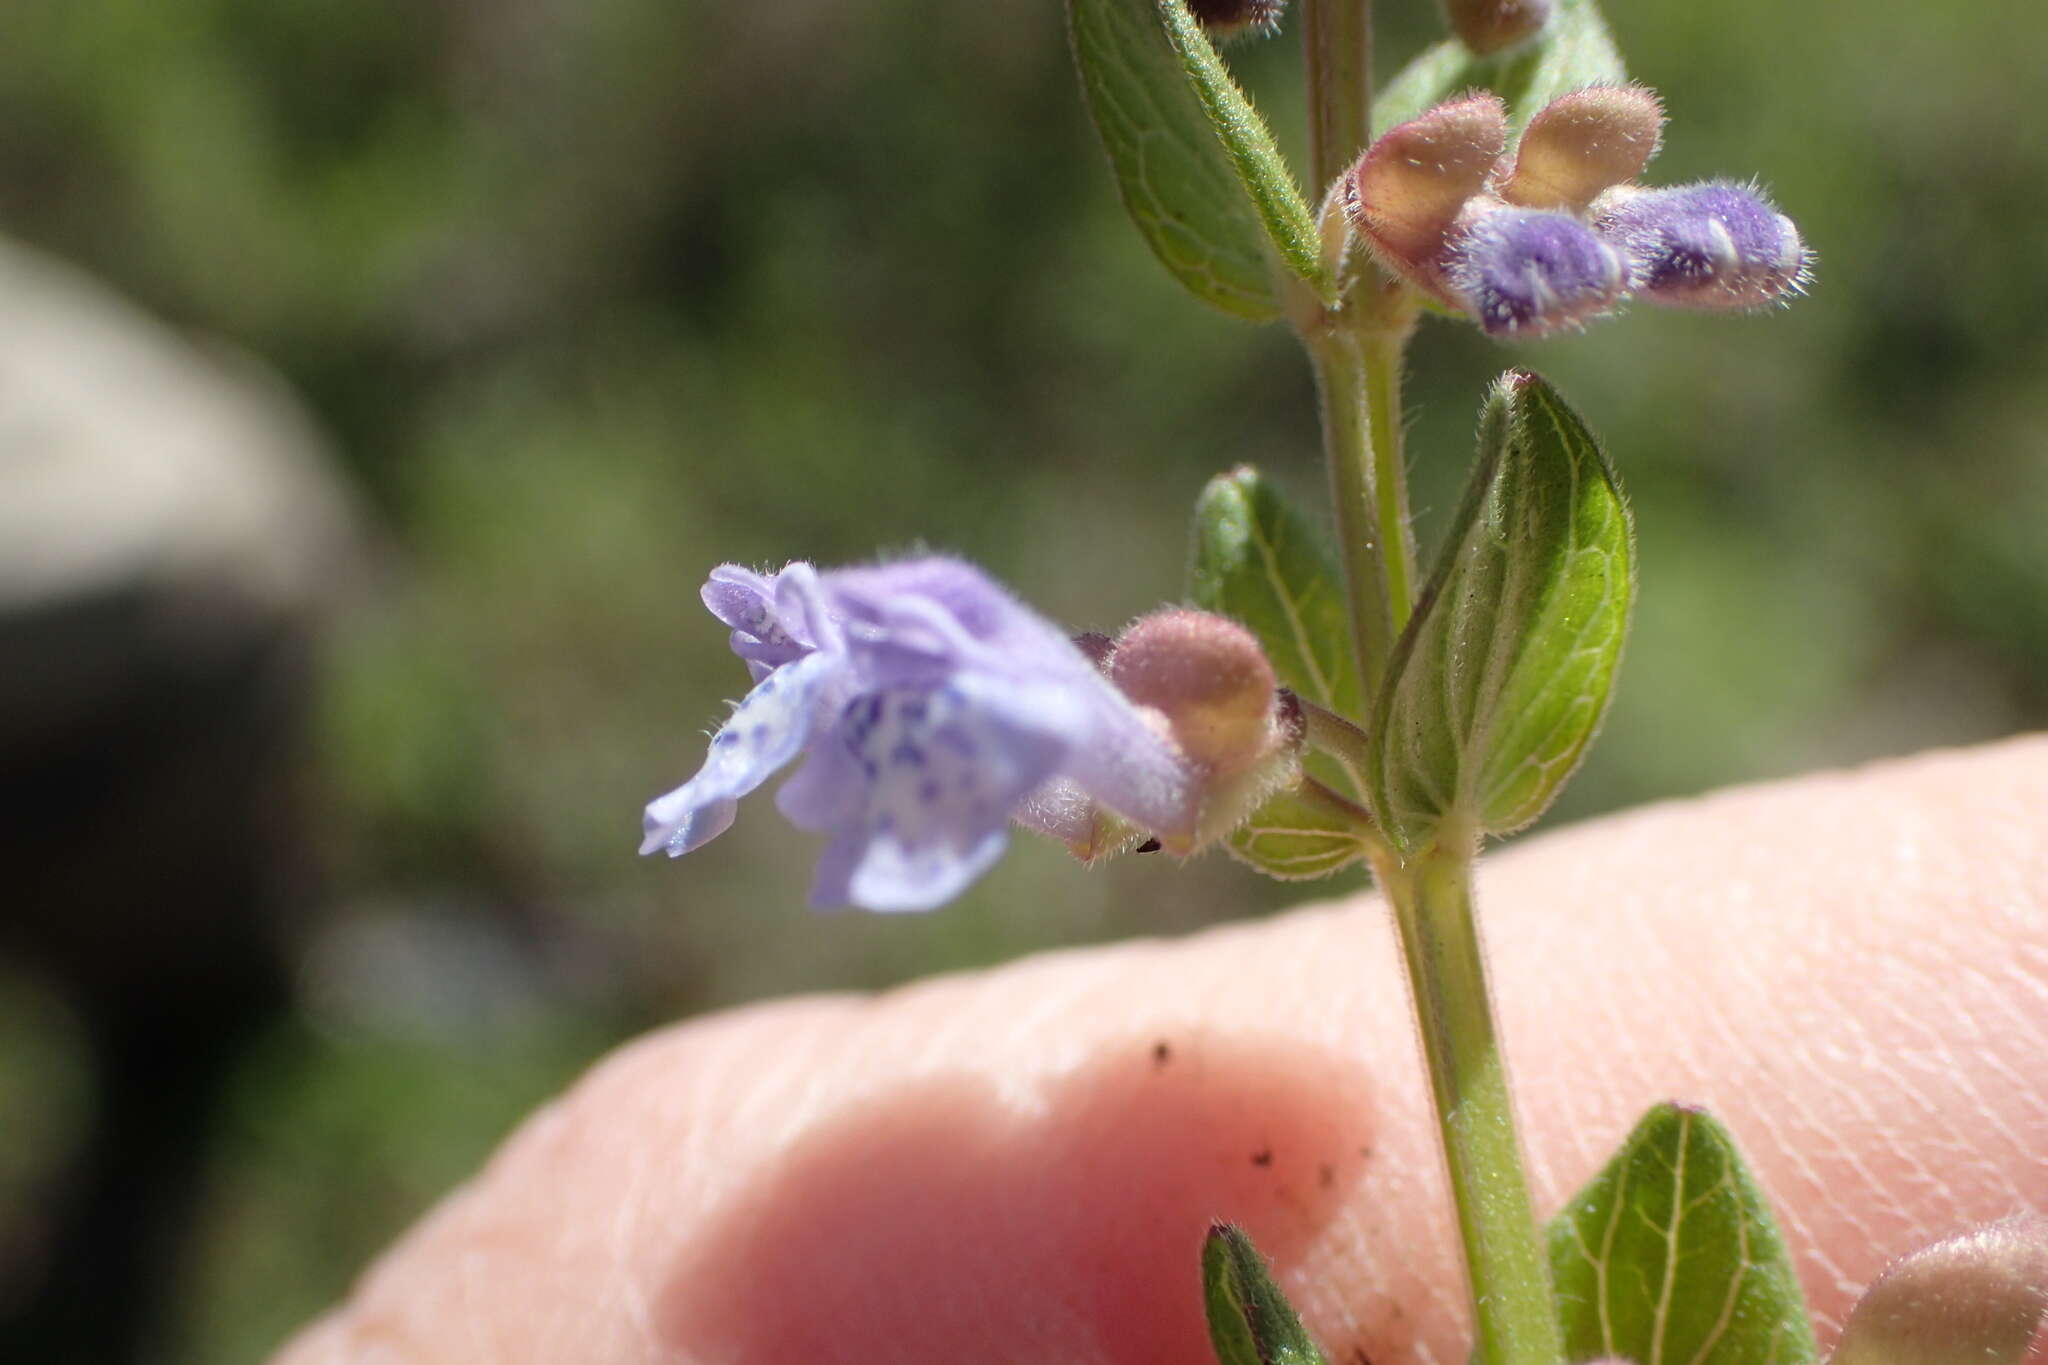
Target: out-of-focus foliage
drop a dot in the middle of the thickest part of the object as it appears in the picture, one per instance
(596, 295)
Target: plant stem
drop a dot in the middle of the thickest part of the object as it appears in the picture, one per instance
(1347, 453)
(1357, 350)
(1382, 354)
(1336, 38)
(1358, 380)
(1513, 1311)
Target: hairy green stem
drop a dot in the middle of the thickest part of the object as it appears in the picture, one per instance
(1356, 497)
(1336, 39)
(1382, 354)
(1358, 381)
(1358, 350)
(1336, 735)
(1513, 1309)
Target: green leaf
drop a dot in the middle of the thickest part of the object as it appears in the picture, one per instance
(1296, 835)
(1503, 674)
(1176, 180)
(1575, 51)
(1670, 1256)
(1259, 560)
(1250, 1320)
(1287, 218)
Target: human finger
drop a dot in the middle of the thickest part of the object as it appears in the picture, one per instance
(1850, 970)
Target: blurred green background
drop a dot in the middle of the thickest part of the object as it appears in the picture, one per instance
(593, 295)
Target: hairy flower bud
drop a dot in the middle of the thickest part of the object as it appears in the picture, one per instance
(1526, 273)
(1210, 679)
(1582, 144)
(1710, 245)
(1489, 26)
(1204, 686)
(1407, 192)
(1978, 1297)
(1237, 18)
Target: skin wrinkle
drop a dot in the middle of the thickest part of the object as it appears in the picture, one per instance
(1915, 1071)
(1990, 995)
(1804, 1132)
(1775, 949)
(1826, 1136)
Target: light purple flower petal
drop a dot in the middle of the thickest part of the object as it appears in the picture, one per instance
(932, 706)
(918, 785)
(745, 601)
(1710, 245)
(1526, 272)
(1126, 762)
(766, 731)
(957, 620)
(894, 874)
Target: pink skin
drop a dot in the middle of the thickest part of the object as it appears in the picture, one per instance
(1852, 970)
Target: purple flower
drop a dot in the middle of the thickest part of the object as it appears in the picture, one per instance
(931, 706)
(1528, 272)
(1711, 245)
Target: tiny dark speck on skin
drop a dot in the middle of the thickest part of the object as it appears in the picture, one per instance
(1326, 1175)
(1359, 1357)
(1162, 1053)
(1263, 1157)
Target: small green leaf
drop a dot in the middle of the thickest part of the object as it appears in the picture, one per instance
(1250, 1320)
(1504, 672)
(1670, 1256)
(1176, 180)
(1259, 560)
(1307, 832)
(1576, 50)
(1286, 216)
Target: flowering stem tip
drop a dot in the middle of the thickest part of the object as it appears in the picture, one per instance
(1559, 232)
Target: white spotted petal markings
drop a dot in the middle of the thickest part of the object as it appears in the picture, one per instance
(766, 731)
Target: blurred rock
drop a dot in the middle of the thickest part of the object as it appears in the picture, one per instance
(170, 532)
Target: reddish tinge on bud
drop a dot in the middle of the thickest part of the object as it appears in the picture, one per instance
(1582, 144)
(1489, 26)
(1406, 193)
(1207, 675)
(1209, 683)
(1236, 18)
(1975, 1299)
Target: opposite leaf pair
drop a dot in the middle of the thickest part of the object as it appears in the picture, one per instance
(1670, 1253)
(1559, 233)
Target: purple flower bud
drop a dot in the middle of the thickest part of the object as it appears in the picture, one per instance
(931, 706)
(1522, 272)
(1491, 26)
(1236, 18)
(1710, 245)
